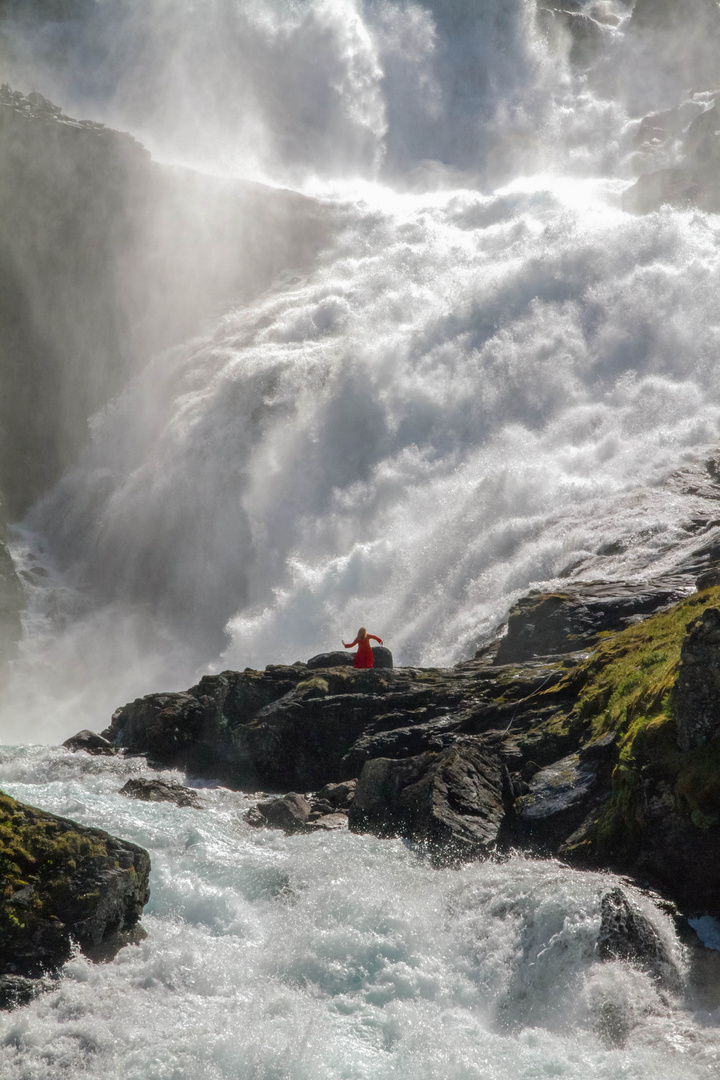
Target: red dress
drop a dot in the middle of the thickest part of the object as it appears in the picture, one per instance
(364, 655)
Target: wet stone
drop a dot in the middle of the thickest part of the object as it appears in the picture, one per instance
(90, 742)
(150, 790)
(626, 933)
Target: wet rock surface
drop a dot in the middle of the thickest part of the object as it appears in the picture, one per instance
(91, 743)
(16, 990)
(63, 883)
(626, 933)
(152, 790)
(451, 802)
(290, 813)
(559, 798)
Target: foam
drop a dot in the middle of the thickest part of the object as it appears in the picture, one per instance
(338, 956)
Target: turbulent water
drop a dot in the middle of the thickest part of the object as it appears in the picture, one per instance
(272, 957)
(478, 384)
(482, 382)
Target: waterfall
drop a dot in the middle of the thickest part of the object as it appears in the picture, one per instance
(475, 383)
(435, 363)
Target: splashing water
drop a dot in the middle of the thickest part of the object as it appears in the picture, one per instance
(482, 381)
(341, 956)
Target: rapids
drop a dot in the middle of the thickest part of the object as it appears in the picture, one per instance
(339, 956)
(485, 382)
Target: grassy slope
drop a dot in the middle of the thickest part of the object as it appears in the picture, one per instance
(626, 687)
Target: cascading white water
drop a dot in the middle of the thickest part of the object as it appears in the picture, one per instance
(477, 385)
(270, 957)
(481, 382)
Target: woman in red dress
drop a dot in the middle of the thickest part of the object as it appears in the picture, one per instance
(364, 655)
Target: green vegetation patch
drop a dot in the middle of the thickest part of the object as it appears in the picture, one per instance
(626, 687)
(39, 857)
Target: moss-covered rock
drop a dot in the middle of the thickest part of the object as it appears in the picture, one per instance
(661, 814)
(62, 883)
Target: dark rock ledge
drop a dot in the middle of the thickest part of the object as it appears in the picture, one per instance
(590, 731)
(62, 884)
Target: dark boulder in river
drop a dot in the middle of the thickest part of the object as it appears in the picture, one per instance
(90, 742)
(451, 803)
(149, 789)
(62, 883)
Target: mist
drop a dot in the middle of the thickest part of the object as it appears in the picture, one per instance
(366, 338)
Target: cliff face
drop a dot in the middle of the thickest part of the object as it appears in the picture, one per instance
(105, 258)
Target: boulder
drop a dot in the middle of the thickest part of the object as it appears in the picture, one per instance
(696, 696)
(626, 933)
(289, 812)
(64, 883)
(451, 802)
(16, 990)
(382, 658)
(708, 579)
(331, 659)
(328, 822)
(151, 790)
(90, 742)
(337, 796)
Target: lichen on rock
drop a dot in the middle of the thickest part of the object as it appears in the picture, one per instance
(63, 884)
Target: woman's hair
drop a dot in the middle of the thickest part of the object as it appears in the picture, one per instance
(362, 633)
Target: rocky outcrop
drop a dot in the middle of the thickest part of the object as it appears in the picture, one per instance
(148, 789)
(544, 624)
(289, 727)
(572, 753)
(451, 803)
(62, 883)
(696, 697)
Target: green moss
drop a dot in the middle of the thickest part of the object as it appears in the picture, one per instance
(38, 851)
(626, 687)
(697, 784)
(315, 686)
